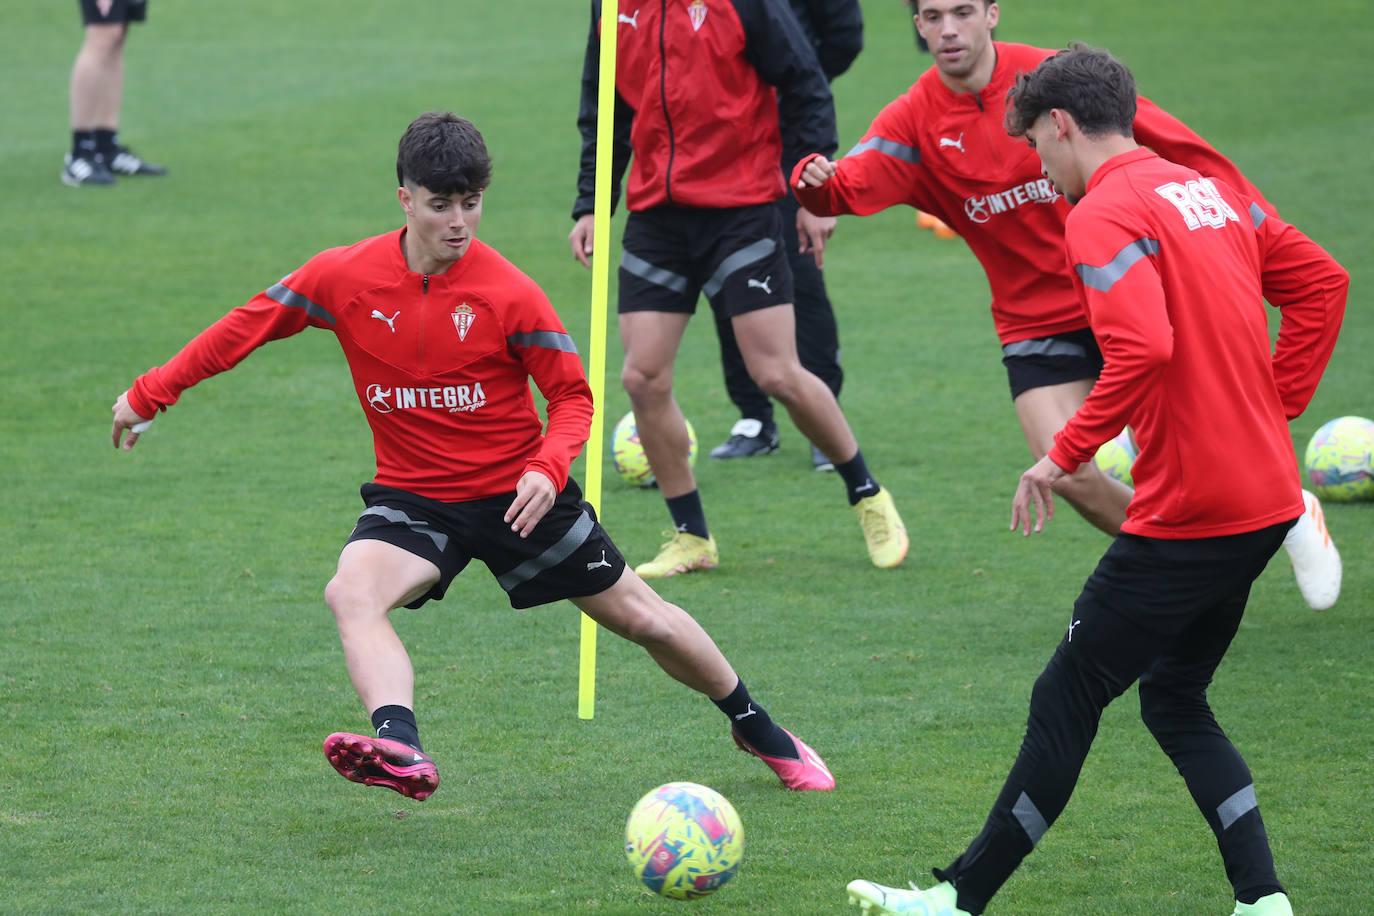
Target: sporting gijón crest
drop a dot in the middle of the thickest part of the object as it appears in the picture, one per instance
(697, 10)
(463, 319)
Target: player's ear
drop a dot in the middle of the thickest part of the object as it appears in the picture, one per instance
(1062, 119)
(994, 14)
(407, 201)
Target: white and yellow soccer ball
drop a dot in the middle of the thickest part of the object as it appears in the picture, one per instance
(627, 455)
(1340, 460)
(684, 840)
(1116, 456)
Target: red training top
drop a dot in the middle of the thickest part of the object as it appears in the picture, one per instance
(441, 364)
(1174, 269)
(948, 153)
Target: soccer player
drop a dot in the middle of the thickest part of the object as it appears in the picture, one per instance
(835, 30)
(941, 148)
(696, 107)
(1173, 269)
(97, 94)
(442, 336)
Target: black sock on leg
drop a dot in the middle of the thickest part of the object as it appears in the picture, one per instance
(687, 513)
(858, 483)
(397, 723)
(753, 724)
(84, 144)
(106, 142)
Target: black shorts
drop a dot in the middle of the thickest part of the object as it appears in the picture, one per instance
(568, 555)
(113, 12)
(735, 256)
(1044, 361)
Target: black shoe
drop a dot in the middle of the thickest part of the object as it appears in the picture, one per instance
(126, 162)
(748, 438)
(83, 170)
(819, 461)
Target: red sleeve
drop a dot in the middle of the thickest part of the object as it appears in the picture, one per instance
(537, 338)
(283, 309)
(1176, 141)
(882, 170)
(1115, 274)
(1309, 288)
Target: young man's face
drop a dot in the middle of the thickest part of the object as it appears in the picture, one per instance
(441, 227)
(1049, 137)
(959, 33)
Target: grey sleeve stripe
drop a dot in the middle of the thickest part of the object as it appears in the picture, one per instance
(551, 340)
(397, 517)
(747, 255)
(1032, 821)
(641, 268)
(1104, 278)
(294, 300)
(1044, 346)
(1257, 215)
(1237, 806)
(575, 538)
(888, 148)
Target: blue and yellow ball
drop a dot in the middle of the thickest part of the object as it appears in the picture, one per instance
(684, 840)
(1339, 461)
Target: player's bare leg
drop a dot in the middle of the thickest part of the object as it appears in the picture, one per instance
(1100, 499)
(651, 341)
(768, 342)
(374, 577)
(97, 86)
(634, 611)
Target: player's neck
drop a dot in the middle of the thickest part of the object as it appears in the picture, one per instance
(1093, 154)
(422, 262)
(977, 79)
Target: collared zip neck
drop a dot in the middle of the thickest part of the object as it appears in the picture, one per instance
(424, 283)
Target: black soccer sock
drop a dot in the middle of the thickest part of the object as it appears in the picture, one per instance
(106, 142)
(753, 724)
(397, 723)
(84, 144)
(688, 515)
(857, 481)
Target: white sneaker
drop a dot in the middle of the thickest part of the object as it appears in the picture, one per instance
(1316, 561)
(940, 900)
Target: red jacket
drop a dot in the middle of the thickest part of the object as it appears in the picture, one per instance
(695, 103)
(948, 153)
(1174, 269)
(441, 364)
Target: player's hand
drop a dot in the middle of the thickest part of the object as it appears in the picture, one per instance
(814, 231)
(580, 239)
(534, 495)
(816, 173)
(126, 419)
(1036, 487)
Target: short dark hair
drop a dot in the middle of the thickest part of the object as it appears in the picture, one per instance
(444, 153)
(1088, 83)
(916, 4)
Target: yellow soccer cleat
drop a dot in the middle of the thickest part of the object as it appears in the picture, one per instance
(940, 900)
(883, 530)
(683, 554)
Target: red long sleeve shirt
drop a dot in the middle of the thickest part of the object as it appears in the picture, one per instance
(1174, 269)
(441, 364)
(948, 153)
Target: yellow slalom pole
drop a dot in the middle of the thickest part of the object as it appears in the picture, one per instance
(601, 276)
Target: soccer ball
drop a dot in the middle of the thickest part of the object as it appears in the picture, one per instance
(1339, 460)
(684, 840)
(627, 455)
(1116, 456)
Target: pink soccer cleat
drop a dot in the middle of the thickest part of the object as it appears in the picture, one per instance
(382, 762)
(808, 773)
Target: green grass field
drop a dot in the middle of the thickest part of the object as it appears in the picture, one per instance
(168, 668)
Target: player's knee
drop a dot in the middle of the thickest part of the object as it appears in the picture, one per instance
(642, 384)
(775, 380)
(1163, 709)
(347, 601)
(650, 623)
(104, 41)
